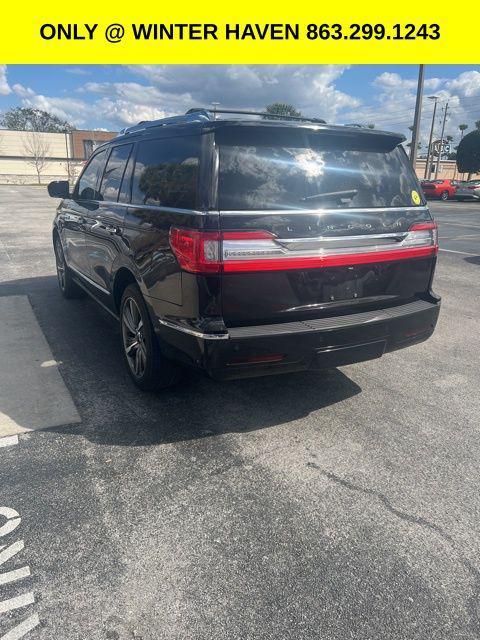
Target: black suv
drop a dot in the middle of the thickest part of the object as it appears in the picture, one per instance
(248, 247)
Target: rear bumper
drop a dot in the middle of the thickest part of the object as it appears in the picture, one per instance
(303, 345)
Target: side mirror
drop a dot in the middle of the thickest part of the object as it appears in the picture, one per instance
(59, 189)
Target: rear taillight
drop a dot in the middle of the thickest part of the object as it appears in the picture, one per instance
(196, 251)
(423, 234)
(240, 251)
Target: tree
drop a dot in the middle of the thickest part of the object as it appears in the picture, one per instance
(477, 124)
(468, 153)
(28, 119)
(371, 125)
(463, 128)
(281, 109)
(37, 148)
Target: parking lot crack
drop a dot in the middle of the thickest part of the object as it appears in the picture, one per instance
(473, 604)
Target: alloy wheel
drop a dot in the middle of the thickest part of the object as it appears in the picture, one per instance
(60, 263)
(134, 337)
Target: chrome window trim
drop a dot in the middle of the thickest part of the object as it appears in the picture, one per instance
(287, 212)
(157, 207)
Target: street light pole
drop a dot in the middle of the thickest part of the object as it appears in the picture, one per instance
(441, 140)
(418, 116)
(215, 105)
(427, 165)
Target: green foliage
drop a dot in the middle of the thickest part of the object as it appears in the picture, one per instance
(277, 110)
(468, 153)
(28, 119)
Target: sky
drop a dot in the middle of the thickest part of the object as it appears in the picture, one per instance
(112, 97)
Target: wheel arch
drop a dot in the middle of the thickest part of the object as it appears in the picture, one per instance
(123, 277)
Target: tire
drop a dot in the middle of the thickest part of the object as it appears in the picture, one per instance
(444, 196)
(68, 287)
(148, 368)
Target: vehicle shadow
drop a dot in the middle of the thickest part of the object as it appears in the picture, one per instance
(85, 342)
(473, 260)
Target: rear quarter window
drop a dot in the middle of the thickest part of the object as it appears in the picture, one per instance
(166, 172)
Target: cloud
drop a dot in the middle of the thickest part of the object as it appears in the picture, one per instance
(467, 84)
(310, 88)
(77, 112)
(4, 86)
(23, 92)
(155, 91)
(78, 71)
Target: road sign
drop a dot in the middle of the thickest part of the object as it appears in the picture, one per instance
(440, 146)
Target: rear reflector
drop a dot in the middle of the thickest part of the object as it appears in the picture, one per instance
(240, 251)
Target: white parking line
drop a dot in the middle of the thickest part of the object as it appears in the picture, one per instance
(13, 520)
(15, 574)
(8, 441)
(461, 224)
(12, 550)
(16, 603)
(23, 628)
(464, 253)
(467, 236)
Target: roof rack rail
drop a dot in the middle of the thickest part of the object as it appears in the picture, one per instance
(264, 114)
(358, 125)
(199, 115)
(202, 115)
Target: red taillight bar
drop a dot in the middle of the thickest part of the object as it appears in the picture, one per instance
(316, 262)
(242, 251)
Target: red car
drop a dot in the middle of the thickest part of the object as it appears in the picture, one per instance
(443, 189)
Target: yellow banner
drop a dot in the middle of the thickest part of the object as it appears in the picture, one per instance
(238, 32)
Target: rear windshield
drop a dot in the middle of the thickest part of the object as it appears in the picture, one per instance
(293, 169)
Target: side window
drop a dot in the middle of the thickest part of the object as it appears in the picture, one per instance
(87, 185)
(113, 174)
(127, 180)
(166, 172)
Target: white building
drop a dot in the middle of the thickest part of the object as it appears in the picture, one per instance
(30, 157)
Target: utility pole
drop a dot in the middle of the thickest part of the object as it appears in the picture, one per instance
(441, 140)
(427, 165)
(418, 116)
(215, 105)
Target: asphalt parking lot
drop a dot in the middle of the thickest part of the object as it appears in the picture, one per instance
(332, 505)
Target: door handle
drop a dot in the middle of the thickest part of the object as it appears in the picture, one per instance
(109, 228)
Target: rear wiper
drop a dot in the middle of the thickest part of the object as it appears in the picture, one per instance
(332, 194)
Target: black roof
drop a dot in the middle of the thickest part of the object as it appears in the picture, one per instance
(205, 120)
